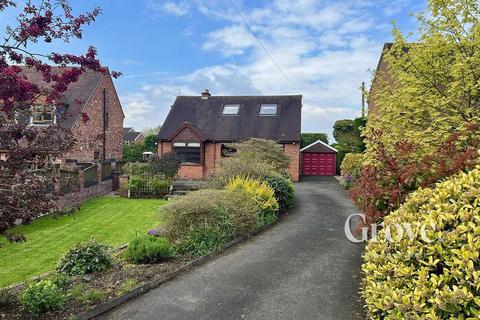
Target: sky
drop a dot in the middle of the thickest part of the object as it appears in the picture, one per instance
(322, 49)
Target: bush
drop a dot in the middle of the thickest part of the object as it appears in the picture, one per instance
(137, 168)
(6, 297)
(263, 196)
(416, 279)
(393, 171)
(350, 168)
(283, 190)
(85, 257)
(233, 212)
(158, 185)
(149, 249)
(86, 295)
(41, 297)
(205, 239)
(263, 151)
(231, 167)
(168, 164)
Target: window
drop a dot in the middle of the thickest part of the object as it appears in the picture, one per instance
(187, 152)
(231, 109)
(268, 109)
(43, 115)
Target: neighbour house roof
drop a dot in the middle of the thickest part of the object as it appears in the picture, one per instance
(125, 130)
(75, 97)
(130, 135)
(204, 116)
(320, 147)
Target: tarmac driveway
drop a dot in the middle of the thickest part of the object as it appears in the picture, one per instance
(302, 268)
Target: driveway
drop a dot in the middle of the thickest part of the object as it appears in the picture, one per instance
(302, 268)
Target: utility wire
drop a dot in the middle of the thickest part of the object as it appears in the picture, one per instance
(262, 45)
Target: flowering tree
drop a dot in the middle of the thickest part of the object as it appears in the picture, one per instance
(23, 195)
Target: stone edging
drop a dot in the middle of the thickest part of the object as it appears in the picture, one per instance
(144, 288)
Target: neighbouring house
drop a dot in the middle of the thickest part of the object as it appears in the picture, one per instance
(381, 74)
(131, 136)
(198, 128)
(91, 110)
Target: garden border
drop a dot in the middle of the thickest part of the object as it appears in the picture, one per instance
(146, 287)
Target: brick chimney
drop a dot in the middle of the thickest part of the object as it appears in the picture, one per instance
(205, 94)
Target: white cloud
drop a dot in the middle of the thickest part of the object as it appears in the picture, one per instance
(324, 47)
(232, 40)
(177, 8)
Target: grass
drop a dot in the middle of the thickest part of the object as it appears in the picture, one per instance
(110, 220)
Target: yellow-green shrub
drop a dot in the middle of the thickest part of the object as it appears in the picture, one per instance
(262, 194)
(351, 164)
(417, 279)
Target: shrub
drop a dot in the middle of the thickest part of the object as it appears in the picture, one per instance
(392, 172)
(264, 151)
(416, 279)
(350, 168)
(168, 164)
(136, 168)
(263, 196)
(158, 185)
(149, 249)
(205, 239)
(6, 297)
(41, 297)
(233, 211)
(283, 190)
(86, 295)
(85, 257)
(231, 167)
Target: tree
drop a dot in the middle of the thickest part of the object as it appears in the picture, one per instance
(431, 89)
(347, 133)
(151, 143)
(148, 131)
(309, 138)
(23, 195)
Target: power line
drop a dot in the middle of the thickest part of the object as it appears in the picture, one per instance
(262, 45)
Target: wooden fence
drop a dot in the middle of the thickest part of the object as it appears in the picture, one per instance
(90, 176)
(148, 185)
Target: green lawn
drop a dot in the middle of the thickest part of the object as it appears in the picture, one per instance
(110, 220)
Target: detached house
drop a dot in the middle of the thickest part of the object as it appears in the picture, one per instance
(131, 136)
(197, 128)
(91, 109)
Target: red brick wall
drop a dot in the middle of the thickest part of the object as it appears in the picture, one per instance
(190, 171)
(293, 152)
(164, 147)
(86, 133)
(213, 152)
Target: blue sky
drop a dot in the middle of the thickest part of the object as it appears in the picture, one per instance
(164, 48)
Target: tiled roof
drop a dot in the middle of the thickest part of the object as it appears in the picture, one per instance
(206, 116)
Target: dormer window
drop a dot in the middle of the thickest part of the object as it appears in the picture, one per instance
(231, 109)
(43, 115)
(268, 110)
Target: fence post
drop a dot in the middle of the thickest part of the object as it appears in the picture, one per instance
(99, 172)
(81, 179)
(122, 182)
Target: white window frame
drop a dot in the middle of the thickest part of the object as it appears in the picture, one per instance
(268, 106)
(234, 107)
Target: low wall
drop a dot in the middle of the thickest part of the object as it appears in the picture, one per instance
(85, 194)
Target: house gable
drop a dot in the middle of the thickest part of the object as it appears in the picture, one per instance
(185, 132)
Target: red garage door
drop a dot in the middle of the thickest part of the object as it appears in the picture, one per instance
(318, 164)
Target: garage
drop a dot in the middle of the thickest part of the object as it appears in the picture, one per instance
(318, 159)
